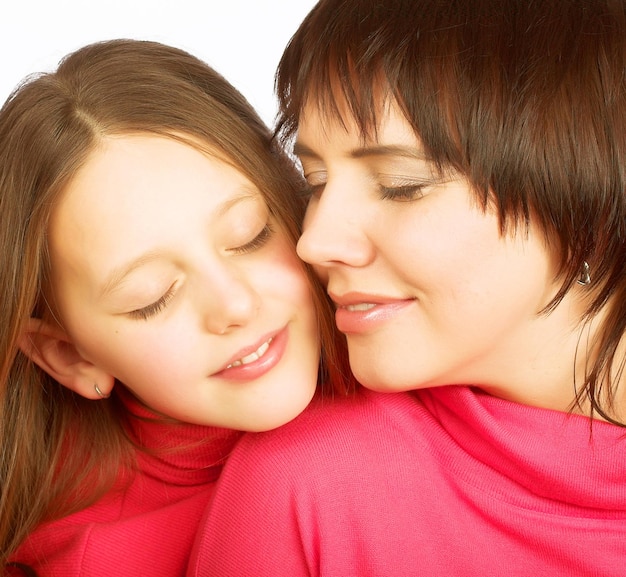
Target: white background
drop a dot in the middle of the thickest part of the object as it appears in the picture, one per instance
(241, 39)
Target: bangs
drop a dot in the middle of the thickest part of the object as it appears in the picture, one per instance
(353, 72)
(355, 58)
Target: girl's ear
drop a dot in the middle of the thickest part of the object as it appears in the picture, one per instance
(50, 347)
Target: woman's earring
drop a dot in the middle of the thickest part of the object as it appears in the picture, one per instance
(99, 392)
(584, 278)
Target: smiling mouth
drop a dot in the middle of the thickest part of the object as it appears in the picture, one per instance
(254, 356)
(360, 307)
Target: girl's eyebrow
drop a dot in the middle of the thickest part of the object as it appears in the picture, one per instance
(405, 151)
(115, 278)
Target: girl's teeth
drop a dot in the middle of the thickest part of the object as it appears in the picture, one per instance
(361, 307)
(252, 356)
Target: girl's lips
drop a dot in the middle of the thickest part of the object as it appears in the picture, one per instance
(253, 356)
(255, 363)
(360, 317)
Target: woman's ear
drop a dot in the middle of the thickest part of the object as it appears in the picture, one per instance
(50, 348)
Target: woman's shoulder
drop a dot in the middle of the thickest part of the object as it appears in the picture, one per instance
(361, 423)
(335, 415)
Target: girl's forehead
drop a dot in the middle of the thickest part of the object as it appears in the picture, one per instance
(135, 173)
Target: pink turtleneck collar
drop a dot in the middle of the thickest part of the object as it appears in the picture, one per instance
(177, 452)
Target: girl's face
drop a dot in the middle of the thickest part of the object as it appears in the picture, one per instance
(170, 274)
(428, 292)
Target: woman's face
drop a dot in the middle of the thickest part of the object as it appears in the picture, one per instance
(428, 291)
(169, 273)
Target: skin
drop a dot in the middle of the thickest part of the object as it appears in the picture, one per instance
(428, 291)
(167, 271)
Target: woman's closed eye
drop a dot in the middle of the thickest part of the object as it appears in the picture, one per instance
(406, 193)
(310, 191)
(396, 187)
(315, 183)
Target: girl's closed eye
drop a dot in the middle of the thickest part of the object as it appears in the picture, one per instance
(156, 307)
(257, 242)
(153, 309)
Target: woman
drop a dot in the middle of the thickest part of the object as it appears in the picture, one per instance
(466, 169)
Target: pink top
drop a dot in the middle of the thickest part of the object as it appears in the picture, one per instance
(446, 481)
(148, 528)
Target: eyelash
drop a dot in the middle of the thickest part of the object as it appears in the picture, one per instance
(155, 308)
(406, 193)
(257, 242)
(310, 190)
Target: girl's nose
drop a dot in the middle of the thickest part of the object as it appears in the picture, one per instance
(232, 302)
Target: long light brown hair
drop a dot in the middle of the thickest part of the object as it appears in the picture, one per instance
(48, 128)
(526, 99)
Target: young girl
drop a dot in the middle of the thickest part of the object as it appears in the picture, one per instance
(466, 162)
(153, 302)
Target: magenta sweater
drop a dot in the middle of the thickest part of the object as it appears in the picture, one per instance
(443, 482)
(148, 528)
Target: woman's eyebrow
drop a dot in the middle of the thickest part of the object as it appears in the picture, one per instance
(300, 149)
(406, 151)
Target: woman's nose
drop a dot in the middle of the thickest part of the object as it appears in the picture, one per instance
(335, 232)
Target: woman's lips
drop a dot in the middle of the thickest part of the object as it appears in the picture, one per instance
(365, 313)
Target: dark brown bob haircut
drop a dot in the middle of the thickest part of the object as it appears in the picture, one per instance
(526, 99)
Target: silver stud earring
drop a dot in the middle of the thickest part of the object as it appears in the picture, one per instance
(99, 392)
(584, 278)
